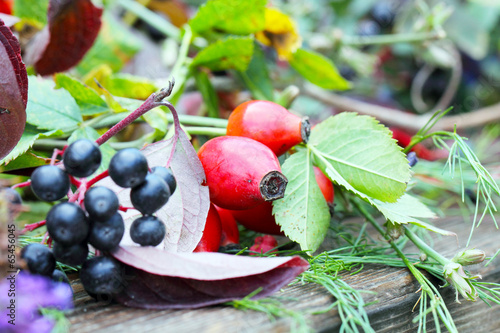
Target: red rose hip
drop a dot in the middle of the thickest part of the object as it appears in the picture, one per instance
(260, 219)
(212, 233)
(241, 173)
(230, 232)
(270, 124)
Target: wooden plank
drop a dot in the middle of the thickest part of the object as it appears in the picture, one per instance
(395, 298)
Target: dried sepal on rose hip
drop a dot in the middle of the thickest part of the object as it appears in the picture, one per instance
(261, 218)
(270, 124)
(241, 173)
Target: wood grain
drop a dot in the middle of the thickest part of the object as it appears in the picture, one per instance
(396, 295)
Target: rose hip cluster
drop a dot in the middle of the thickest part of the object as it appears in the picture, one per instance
(92, 216)
(242, 169)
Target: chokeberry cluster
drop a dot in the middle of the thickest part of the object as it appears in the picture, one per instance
(149, 192)
(92, 217)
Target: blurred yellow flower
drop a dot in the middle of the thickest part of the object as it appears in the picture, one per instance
(280, 33)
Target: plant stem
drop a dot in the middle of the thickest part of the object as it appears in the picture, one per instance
(153, 19)
(425, 248)
(151, 102)
(183, 118)
(210, 131)
(393, 39)
(417, 139)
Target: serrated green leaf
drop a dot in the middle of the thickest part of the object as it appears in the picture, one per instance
(303, 213)
(30, 135)
(88, 99)
(318, 70)
(407, 209)
(229, 53)
(49, 108)
(26, 160)
(106, 150)
(239, 17)
(359, 153)
(32, 12)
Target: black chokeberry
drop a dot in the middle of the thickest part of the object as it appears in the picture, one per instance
(101, 275)
(72, 255)
(49, 183)
(128, 167)
(167, 176)
(60, 276)
(150, 195)
(147, 230)
(82, 158)
(39, 259)
(67, 223)
(101, 203)
(11, 195)
(13, 198)
(106, 236)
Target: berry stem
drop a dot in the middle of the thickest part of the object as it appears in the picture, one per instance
(97, 178)
(153, 101)
(54, 155)
(23, 184)
(33, 226)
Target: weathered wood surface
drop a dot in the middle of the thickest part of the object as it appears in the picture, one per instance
(396, 295)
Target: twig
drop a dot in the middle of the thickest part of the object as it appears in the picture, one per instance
(394, 117)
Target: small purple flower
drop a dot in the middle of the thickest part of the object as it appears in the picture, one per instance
(21, 297)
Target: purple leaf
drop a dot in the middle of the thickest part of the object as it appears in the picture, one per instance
(186, 211)
(157, 279)
(72, 29)
(13, 91)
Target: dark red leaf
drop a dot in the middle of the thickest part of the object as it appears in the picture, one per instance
(157, 279)
(73, 26)
(13, 91)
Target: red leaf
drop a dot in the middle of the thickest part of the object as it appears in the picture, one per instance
(157, 279)
(73, 27)
(13, 91)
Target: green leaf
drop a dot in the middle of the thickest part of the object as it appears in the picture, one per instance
(114, 46)
(207, 92)
(239, 17)
(88, 99)
(229, 53)
(26, 160)
(32, 12)
(30, 135)
(407, 209)
(256, 77)
(130, 86)
(317, 69)
(106, 150)
(303, 213)
(359, 153)
(49, 108)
